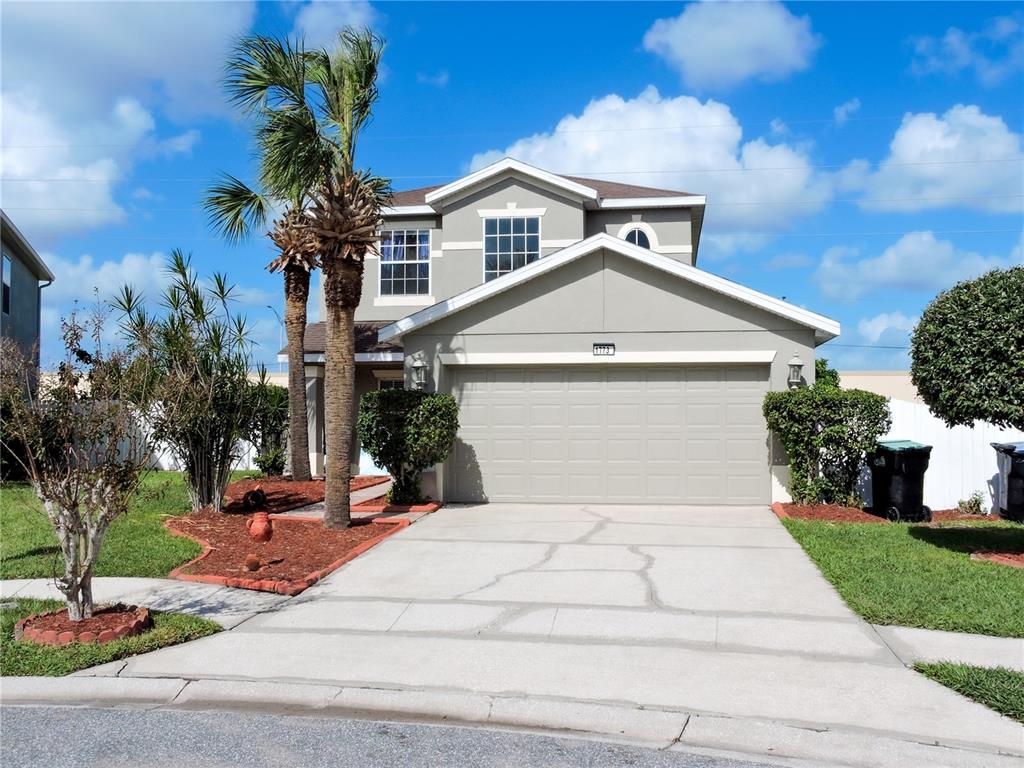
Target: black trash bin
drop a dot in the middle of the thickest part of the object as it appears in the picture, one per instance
(1010, 483)
(897, 480)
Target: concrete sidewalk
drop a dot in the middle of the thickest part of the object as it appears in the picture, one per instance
(928, 645)
(228, 607)
(689, 628)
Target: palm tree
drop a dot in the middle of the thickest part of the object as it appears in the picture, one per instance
(267, 79)
(345, 221)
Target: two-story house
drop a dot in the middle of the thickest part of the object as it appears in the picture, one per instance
(25, 275)
(592, 360)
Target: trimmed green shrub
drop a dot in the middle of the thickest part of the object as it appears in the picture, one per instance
(827, 432)
(268, 427)
(967, 351)
(407, 431)
(825, 375)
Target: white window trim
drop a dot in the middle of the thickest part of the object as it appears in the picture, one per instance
(404, 300)
(389, 374)
(509, 214)
(384, 300)
(510, 210)
(735, 357)
(644, 227)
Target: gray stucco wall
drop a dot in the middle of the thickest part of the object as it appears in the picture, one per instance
(671, 227)
(605, 297)
(22, 324)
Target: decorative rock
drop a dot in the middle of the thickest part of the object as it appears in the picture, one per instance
(252, 563)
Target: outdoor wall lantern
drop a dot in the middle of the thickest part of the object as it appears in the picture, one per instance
(796, 367)
(419, 374)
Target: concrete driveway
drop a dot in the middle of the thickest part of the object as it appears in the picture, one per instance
(705, 628)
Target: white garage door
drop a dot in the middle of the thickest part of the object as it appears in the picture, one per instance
(690, 435)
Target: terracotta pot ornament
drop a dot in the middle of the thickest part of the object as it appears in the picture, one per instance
(260, 527)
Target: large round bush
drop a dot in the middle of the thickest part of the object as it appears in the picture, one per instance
(968, 351)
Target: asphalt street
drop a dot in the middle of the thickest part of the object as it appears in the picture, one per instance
(79, 738)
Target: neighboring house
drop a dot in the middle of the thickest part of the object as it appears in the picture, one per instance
(895, 385)
(591, 359)
(24, 277)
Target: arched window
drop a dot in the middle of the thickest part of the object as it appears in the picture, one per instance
(638, 237)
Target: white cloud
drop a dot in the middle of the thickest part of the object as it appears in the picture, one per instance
(613, 134)
(718, 45)
(319, 21)
(843, 111)
(918, 261)
(83, 57)
(59, 178)
(891, 327)
(438, 80)
(83, 278)
(991, 54)
(959, 159)
(71, 132)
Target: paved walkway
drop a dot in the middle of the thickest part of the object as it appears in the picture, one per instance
(228, 607)
(690, 628)
(357, 497)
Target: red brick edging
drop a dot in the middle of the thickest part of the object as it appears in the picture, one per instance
(367, 506)
(133, 626)
(779, 510)
(280, 586)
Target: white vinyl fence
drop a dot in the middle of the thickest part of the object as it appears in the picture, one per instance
(962, 460)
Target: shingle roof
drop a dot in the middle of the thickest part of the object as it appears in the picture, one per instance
(366, 339)
(606, 189)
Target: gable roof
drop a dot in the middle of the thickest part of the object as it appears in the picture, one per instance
(27, 254)
(823, 327)
(593, 191)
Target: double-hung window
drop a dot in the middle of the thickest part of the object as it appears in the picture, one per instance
(405, 262)
(510, 242)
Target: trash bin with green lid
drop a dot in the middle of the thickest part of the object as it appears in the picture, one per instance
(897, 480)
(1009, 495)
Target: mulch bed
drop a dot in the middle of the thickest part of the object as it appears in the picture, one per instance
(834, 513)
(104, 626)
(1012, 559)
(284, 494)
(300, 553)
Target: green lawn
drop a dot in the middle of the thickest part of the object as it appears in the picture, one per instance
(921, 576)
(996, 687)
(36, 659)
(137, 544)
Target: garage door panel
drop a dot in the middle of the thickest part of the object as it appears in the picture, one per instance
(627, 434)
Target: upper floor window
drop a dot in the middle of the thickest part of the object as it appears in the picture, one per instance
(638, 237)
(510, 242)
(7, 285)
(405, 262)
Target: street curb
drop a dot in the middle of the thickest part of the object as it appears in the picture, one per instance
(745, 738)
(280, 587)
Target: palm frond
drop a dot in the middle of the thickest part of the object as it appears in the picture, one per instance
(266, 72)
(294, 153)
(235, 209)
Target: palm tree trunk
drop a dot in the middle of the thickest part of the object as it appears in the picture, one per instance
(342, 288)
(296, 294)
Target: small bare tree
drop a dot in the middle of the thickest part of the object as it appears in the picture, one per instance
(85, 452)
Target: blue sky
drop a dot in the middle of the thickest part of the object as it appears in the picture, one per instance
(858, 157)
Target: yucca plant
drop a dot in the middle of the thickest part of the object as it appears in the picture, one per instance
(197, 349)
